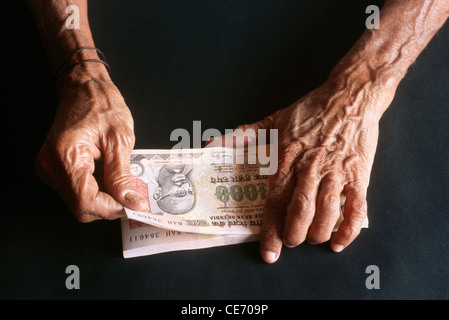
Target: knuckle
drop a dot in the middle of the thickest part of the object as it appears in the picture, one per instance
(302, 204)
(288, 154)
(124, 134)
(128, 137)
(359, 208)
(119, 180)
(313, 158)
(351, 232)
(330, 202)
(119, 138)
(58, 143)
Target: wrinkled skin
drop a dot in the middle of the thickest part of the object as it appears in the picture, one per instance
(327, 143)
(327, 139)
(92, 123)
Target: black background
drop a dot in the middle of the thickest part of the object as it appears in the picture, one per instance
(226, 63)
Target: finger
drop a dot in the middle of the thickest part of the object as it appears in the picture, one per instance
(278, 197)
(81, 190)
(90, 203)
(327, 209)
(355, 212)
(69, 172)
(118, 180)
(301, 209)
(271, 232)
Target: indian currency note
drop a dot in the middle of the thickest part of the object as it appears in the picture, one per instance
(208, 191)
(197, 198)
(140, 239)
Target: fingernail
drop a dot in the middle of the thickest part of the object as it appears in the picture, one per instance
(269, 256)
(337, 247)
(133, 197)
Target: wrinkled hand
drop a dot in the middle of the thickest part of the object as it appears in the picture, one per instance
(327, 143)
(92, 123)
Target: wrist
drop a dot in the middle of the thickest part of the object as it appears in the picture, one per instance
(367, 70)
(83, 73)
(381, 58)
(84, 64)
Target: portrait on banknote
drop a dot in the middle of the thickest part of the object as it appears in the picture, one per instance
(169, 185)
(175, 193)
(199, 190)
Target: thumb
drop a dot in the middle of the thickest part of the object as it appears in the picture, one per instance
(244, 135)
(119, 182)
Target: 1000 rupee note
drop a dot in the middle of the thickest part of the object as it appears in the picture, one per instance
(208, 191)
(199, 190)
(141, 239)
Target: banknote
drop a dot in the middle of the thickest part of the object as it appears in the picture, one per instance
(208, 191)
(196, 198)
(140, 239)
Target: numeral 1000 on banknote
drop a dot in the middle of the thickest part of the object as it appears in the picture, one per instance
(250, 192)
